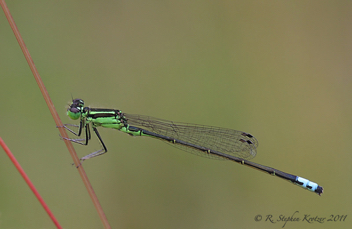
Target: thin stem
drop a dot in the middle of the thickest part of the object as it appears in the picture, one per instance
(29, 182)
(55, 115)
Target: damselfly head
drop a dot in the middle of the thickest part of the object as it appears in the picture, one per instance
(75, 109)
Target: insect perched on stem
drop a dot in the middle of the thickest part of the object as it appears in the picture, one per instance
(208, 141)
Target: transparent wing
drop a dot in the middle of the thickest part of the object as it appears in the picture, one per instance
(237, 143)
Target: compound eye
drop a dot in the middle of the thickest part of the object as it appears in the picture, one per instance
(74, 110)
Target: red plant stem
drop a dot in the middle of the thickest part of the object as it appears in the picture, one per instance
(29, 182)
(55, 115)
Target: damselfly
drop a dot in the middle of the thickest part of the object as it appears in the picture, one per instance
(208, 141)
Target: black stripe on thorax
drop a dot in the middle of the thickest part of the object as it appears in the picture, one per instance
(103, 113)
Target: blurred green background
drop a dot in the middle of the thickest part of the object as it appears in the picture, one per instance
(280, 70)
